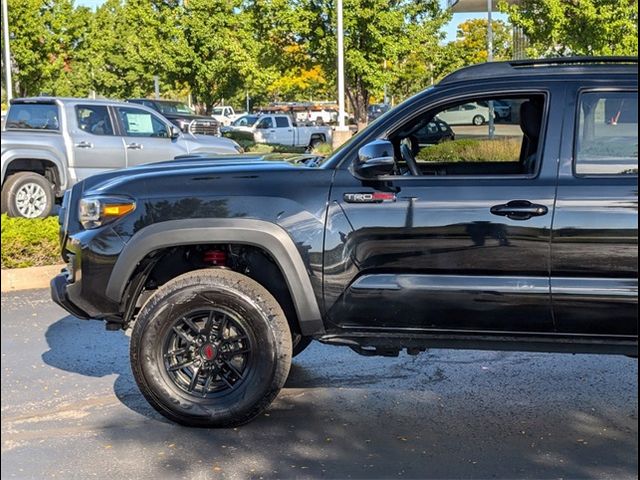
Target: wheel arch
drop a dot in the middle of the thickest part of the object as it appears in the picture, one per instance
(266, 236)
(35, 161)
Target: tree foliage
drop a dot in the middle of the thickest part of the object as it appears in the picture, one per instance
(470, 45)
(379, 36)
(577, 27)
(223, 50)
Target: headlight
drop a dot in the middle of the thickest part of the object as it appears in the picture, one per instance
(96, 211)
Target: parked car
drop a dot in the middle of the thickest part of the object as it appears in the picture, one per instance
(501, 109)
(49, 144)
(224, 115)
(280, 130)
(465, 114)
(436, 131)
(181, 115)
(234, 268)
(377, 109)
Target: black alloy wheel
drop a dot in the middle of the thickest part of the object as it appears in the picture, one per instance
(211, 348)
(208, 352)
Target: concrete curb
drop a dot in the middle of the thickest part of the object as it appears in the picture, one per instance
(27, 278)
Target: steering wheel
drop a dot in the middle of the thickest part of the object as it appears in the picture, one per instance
(410, 160)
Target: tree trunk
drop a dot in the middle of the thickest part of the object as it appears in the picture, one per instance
(359, 99)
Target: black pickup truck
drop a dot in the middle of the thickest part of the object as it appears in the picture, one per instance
(517, 235)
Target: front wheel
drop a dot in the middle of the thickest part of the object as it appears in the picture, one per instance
(211, 348)
(28, 195)
(478, 120)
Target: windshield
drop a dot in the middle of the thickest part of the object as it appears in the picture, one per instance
(245, 121)
(218, 111)
(174, 107)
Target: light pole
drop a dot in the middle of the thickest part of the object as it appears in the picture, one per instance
(492, 127)
(341, 112)
(7, 52)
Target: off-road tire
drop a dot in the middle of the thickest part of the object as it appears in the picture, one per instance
(265, 323)
(19, 180)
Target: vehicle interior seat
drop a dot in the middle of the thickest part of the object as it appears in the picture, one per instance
(530, 123)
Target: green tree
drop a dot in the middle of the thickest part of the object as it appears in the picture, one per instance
(375, 32)
(48, 41)
(577, 27)
(470, 45)
(132, 42)
(221, 51)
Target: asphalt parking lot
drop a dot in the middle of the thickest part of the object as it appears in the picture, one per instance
(70, 409)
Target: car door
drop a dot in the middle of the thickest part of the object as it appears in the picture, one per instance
(265, 130)
(594, 256)
(444, 252)
(96, 146)
(284, 134)
(147, 138)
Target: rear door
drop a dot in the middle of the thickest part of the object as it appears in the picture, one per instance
(594, 256)
(96, 145)
(147, 138)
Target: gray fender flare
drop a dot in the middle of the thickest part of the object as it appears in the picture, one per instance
(35, 154)
(266, 235)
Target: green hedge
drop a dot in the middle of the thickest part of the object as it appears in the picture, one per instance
(472, 150)
(30, 242)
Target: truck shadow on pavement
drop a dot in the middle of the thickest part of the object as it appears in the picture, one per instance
(442, 415)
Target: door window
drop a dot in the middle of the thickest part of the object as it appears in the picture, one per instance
(607, 134)
(282, 122)
(94, 119)
(138, 123)
(265, 122)
(461, 139)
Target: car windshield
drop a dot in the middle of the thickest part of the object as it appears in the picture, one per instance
(218, 111)
(246, 121)
(174, 107)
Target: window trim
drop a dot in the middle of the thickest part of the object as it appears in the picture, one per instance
(576, 126)
(507, 93)
(88, 105)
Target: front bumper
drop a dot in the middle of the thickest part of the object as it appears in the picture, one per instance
(59, 295)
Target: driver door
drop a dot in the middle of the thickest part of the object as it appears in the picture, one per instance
(435, 252)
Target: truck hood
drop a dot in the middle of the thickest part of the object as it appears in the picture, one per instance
(198, 164)
(197, 143)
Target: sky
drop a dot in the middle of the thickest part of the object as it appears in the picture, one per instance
(450, 29)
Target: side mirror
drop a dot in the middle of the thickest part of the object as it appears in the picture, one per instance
(174, 132)
(375, 159)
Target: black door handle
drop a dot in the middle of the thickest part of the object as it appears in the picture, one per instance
(519, 210)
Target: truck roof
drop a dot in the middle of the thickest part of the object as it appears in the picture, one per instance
(64, 100)
(545, 66)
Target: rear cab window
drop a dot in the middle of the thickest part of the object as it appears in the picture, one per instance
(606, 140)
(33, 116)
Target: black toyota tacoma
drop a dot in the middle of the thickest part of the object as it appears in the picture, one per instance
(517, 235)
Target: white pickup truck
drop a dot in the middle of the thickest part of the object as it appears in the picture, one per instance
(225, 115)
(280, 130)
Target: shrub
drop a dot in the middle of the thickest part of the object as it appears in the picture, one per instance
(323, 149)
(471, 150)
(30, 242)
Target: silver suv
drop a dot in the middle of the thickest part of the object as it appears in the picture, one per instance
(49, 144)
